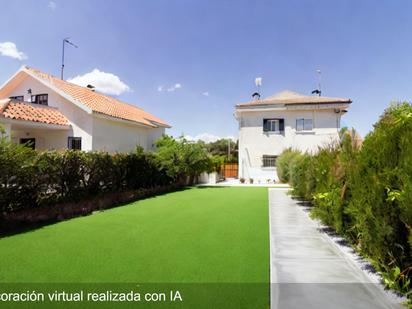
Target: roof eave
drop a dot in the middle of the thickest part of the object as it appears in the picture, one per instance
(280, 104)
(122, 120)
(159, 124)
(35, 123)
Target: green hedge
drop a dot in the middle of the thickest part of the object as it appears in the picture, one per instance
(365, 193)
(31, 179)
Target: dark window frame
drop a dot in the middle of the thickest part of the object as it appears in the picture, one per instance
(17, 98)
(268, 129)
(269, 160)
(74, 143)
(302, 127)
(28, 142)
(35, 99)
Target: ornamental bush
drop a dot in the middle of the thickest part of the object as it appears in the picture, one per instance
(283, 164)
(365, 193)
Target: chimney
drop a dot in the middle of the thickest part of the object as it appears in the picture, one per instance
(256, 96)
(91, 87)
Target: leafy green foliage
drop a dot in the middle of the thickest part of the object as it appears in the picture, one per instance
(283, 164)
(221, 148)
(181, 159)
(365, 193)
(31, 179)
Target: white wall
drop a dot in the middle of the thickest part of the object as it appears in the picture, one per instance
(45, 139)
(254, 142)
(81, 122)
(153, 135)
(115, 136)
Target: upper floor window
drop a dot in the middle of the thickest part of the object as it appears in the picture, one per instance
(304, 124)
(40, 99)
(18, 98)
(269, 161)
(74, 143)
(274, 125)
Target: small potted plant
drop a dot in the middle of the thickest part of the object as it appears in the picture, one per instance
(242, 180)
(250, 180)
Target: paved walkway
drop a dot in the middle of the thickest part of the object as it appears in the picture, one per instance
(308, 270)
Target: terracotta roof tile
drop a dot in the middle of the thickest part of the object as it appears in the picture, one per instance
(32, 112)
(101, 103)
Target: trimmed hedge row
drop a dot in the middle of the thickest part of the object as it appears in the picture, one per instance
(30, 179)
(364, 193)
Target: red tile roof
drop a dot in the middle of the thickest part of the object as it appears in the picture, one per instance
(32, 112)
(101, 103)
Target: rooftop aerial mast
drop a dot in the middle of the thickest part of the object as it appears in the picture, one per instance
(65, 40)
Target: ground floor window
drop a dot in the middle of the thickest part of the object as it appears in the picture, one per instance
(28, 142)
(269, 161)
(75, 143)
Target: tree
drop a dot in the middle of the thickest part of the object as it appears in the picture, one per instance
(182, 159)
(221, 147)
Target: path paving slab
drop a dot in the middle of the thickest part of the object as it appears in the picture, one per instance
(308, 270)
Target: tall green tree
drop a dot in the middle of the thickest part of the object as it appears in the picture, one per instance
(182, 159)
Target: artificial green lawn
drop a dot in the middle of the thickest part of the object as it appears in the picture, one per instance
(213, 238)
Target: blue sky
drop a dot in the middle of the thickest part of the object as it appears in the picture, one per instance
(208, 53)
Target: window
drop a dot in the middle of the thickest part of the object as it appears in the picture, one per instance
(28, 142)
(269, 161)
(74, 143)
(18, 98)
(304, 124)
(40, 99)
(274, 125)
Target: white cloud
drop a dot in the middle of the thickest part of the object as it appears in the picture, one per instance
(207, 137)
(9, 49)
(107, 83)
(52, 5)
(169, 89)
(206, 93)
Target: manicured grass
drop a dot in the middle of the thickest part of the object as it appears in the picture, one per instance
(215, 236)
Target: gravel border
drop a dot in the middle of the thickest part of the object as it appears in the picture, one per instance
(343, 246)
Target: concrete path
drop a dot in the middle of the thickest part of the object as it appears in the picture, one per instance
(308, 270)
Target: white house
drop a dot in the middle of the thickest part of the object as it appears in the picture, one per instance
(285, 120)
(51, 113)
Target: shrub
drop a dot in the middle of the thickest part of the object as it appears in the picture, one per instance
(283, 164)
(364, 193)
(182, 159)
(31, 179)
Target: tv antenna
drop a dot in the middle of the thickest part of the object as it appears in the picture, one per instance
(318, 91)
(258, 83)
(66, 41)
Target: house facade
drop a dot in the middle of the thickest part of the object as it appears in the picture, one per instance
(285, 120)
(52, 114)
